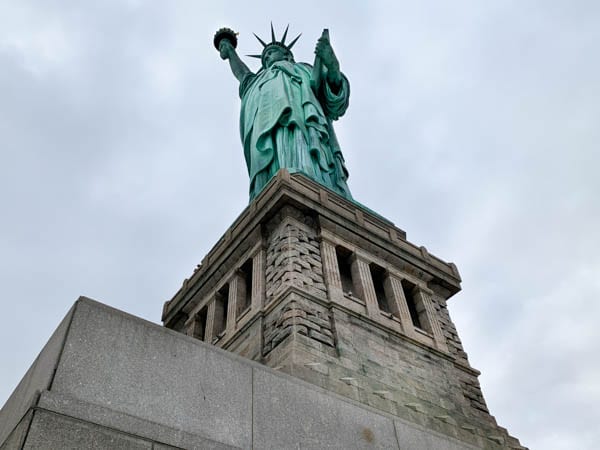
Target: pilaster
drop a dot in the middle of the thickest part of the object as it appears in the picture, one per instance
(209, 333)
(434, 323)
(399, 302)
(361, 275)
(331, 270)
(258, 280)
(236, 286)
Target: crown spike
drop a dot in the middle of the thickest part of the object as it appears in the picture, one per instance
(289, 47)
(255, 56)
(260, 40)
(273, 38)
(285, 34)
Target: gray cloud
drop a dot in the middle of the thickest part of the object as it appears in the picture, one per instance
(472, 126)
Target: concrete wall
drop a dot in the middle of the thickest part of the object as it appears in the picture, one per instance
(37, 379)
(110, 380)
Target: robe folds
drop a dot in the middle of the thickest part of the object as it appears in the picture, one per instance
(285, 124)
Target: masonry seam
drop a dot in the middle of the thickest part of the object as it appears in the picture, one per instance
(64, 343)
(252, 407)
(396, 435)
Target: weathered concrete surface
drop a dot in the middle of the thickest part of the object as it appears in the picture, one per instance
(38, 378)
(15, 439)
(287, 413)
(122, 382)
(410, 437)
(162, 379)
(110, 419)
(53, 431)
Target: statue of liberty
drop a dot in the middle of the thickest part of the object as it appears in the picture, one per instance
(287, 112)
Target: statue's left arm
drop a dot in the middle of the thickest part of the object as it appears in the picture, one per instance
(325, 52)
(333, 88)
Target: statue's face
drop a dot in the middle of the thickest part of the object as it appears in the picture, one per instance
(274, 54)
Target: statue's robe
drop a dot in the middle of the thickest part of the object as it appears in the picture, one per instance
(285, 124)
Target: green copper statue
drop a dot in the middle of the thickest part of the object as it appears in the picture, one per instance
(287, 110)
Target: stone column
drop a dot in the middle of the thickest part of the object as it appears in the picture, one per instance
(361, 277)
(235, 287)
(331, 270)
(209, 332)
(424, 296)
(399, 301)
(258, 280)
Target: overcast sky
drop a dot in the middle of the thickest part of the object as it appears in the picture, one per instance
(472, 125)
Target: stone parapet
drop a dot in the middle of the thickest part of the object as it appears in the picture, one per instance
(335, 214)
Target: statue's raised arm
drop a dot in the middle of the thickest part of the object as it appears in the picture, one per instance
(287, 112)
(225, 41)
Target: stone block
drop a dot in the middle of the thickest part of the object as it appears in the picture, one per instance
(125, 423)
(326, 332)
(321, 322)
(304, 264)
(318, 367)
(320, 287)
(280, 336)
(413, 438)
(54, 431)
(315, 421)
(135, 367)
(308, 324)
(321, 337)
(301, 330)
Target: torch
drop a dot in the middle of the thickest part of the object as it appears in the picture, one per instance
(225, 33)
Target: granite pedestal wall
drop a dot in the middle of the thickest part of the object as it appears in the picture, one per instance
(324, 289)
(109, 380)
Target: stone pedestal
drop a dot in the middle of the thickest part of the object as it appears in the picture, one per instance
(321, 288)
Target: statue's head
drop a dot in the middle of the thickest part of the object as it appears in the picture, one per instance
(276, 50)
(275, 53)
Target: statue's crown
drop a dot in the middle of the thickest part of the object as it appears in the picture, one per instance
(275, 43)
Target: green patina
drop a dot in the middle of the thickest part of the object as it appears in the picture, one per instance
(287, 112)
